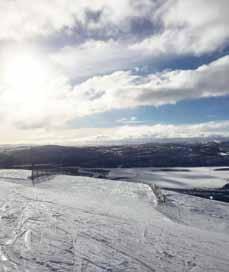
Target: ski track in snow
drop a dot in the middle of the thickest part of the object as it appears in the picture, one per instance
(86, 225)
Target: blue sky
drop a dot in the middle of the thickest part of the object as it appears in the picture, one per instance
(77, 72)
(184, 112)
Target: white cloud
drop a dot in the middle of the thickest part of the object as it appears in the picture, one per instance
(96, 58)
(109, 42)
(124, 89)
(179, 27)
(129, 121)
(23, 19)
(49, 99)
(158, 131)
(189, 27)
(116, 135)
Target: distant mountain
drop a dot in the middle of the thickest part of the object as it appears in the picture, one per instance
(185, 153)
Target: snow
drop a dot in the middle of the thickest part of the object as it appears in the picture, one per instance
(198, 177)
(14, 174)
(196, 212)
(86, 224)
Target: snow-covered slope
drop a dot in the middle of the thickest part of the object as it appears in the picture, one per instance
(85, 224)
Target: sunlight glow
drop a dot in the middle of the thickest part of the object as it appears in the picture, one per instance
(31, 90)
(25, 78)
(25, 72)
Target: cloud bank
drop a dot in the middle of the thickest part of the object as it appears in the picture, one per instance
(124, 89)
(120, 135)
(56, 101)
(95, 58)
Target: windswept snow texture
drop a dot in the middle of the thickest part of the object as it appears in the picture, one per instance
(193, 177)
(86, 224)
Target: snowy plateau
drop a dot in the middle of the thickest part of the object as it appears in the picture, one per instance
(72, 223)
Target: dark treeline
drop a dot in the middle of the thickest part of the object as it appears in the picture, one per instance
(144, 155)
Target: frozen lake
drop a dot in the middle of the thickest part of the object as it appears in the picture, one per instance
(197, 177)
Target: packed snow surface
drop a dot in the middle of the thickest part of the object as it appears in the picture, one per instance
(87, 224)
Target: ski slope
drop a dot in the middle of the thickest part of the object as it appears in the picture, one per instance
(87, 224)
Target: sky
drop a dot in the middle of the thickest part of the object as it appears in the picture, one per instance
(96, 71)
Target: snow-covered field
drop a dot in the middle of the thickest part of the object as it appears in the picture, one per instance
(198, 177)
(14, 174)
(87, 224)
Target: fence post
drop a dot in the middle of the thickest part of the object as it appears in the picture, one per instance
(32, 167)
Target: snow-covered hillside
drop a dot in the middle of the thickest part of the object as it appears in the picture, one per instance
(86, 224)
